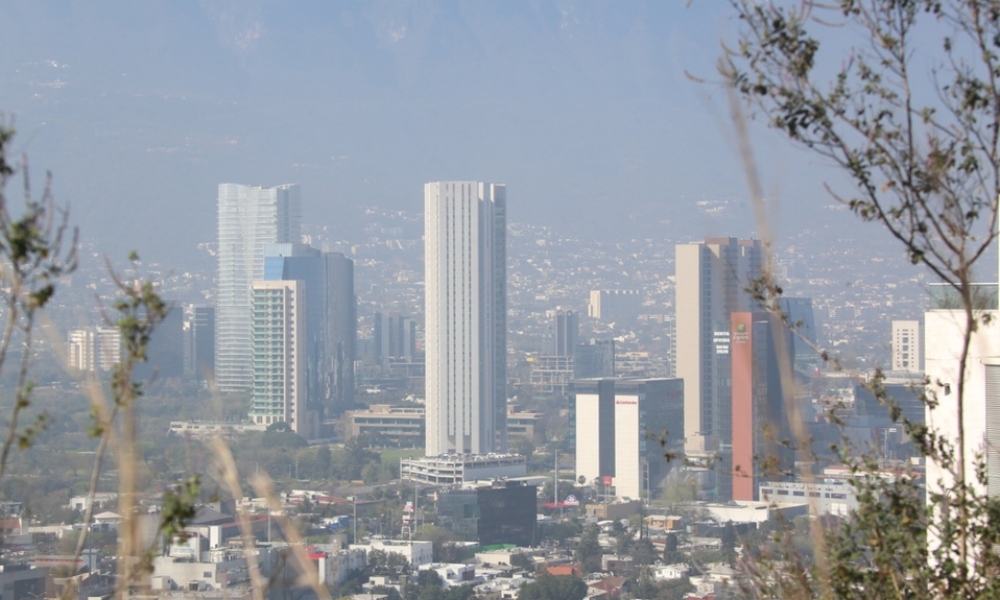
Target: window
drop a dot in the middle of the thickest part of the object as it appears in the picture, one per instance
(839, 496)
(798, 493)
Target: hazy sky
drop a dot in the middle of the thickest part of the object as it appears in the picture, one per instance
(582, 108)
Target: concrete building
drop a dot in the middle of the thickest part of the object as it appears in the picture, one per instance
(453, 469)
(94, 349)
(466, 316)
(757, 426)
(279, 357)
(710, 281)
(907, 351)
(249, 217)
(81, 350)
(417, 552)
(550, 374)
(944, 326)
(388, 426)
(22, 581)
(615, 427)
(395, 336)
(824, 497)
(108, 351)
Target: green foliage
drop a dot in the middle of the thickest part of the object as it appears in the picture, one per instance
(588, 550)
(562, 531)
(179, 508)
(388, 564)
(554, 587)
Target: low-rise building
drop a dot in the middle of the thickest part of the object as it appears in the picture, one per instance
(416, 552)
(198, 429)
(22, 581)
(826, 497)
(452, 469)
(388, 426)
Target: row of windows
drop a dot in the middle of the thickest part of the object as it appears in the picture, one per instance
(832, 495)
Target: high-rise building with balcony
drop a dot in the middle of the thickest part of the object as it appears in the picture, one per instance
(279, 356)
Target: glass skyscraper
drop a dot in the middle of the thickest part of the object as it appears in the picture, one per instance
(250, 217)
(331, 319)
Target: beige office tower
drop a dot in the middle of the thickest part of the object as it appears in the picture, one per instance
(907, 353)
(711, 281)
(466, 317)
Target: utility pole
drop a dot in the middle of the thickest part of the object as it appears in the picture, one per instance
(555, 480)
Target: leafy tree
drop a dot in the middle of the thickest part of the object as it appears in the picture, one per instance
(388, 564)
(521, 561)
(915, 126)
(324, 460)
(674, 589)
(554, 587)
(562, 531)
(588, 550)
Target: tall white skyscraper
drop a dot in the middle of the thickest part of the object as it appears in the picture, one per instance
(465, 254)
(250, 217)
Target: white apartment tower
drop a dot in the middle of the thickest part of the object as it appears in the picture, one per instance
(279, 355)
(80, 354)
(711, 278)
(250, 217)
(465, 257)
(906, 349)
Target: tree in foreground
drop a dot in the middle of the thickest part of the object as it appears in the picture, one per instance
(903, 96)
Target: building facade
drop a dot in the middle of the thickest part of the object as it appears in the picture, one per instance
(454, 469)
(801, 319)
(565, 332)
(395, 336)
(619, 428)
(944, 328)
(331, 320)
(94, 349)
(203, 343)
(466, 316)
(907, 352)
(278, 335)
(758, 427)
(249, 218)
(710, 281)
